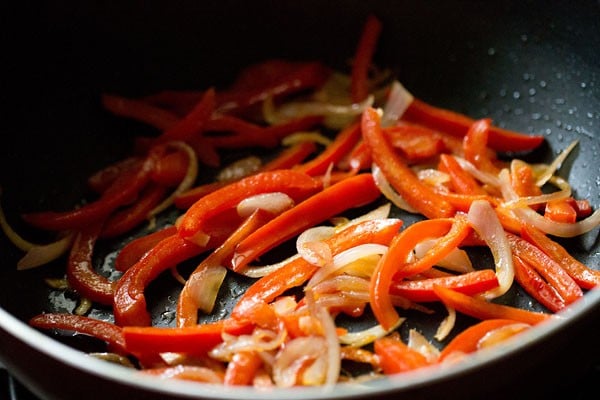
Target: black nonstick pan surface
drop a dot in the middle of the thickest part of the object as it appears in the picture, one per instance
(532, 66)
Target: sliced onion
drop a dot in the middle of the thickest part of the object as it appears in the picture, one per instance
(333, 354)
(300, 137)
(388, 191)
(398, 101)
(187, 372)
(458, 260)
(311, 246)
(260, 340)
(381, 212)
(253, 271)
(485, 222)
(484, 177)
(39, 255)
(417, 341)
(186, 183)
(203, 286)
(553, 167)
(446, 325)
(433, 177)
(525, 201)
(275, 203)
(293, 356)
(560, 229)
(366, 336)
(500, 334)
(239, 169)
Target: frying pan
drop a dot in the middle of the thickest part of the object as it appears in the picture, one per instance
(532, 66)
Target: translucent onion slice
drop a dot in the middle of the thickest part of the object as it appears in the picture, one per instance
(397, 103)
(366, 336)
(417, 341)
(342, 259)
(433, 177)
(260, 340)
(484, 177)
(290, 360)
(485, 222)
(204, 285)
(239, 169)
(186, 183)
(555, 165)
(388, 191)
(311, 247)
(458, 260)
(275, 203)
(333, 353)
(300, 137)
(500, 334)
(446, 325)
(563, 193)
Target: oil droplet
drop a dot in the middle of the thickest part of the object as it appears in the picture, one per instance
(502, 92)
(524, 38)
(583, 85)
(491, 51)
(532, 91)
(560, 101)
(516, 94)
(543, 84)
(536, 116)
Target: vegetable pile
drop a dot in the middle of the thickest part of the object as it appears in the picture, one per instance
(347, 151)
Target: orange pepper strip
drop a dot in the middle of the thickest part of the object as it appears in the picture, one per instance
(482, 309)
(401, 177)
(187, 310)
(297, 185)
(560, 211)
(414, 143)
(468, 340)
(585, 276)
(359, 84)
(469, 283)
(549, 269)
(523, 181)
(197, 339)
(140, 110)
(458, 124)
(80, 271)
(461, 181)
(134, 250)
(352, 192)
(531, 281)
(393, 265)
(242, 369)
(341, 145)
(396, 357)
(102, 330)
(298, 271)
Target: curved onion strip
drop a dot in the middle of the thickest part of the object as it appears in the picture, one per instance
(418, 342)
(239, 169)
(446, 325)
(458, 260)
(500, 334)
(484, 220)
(186, 372)
(259, 340)
(187, 182)
(366, 336)
(311, 247)
(204, 285)
(560, 229)
(296, 353)
(397, 103)
(484, 177)
(563, 193)
(333, 353)
(433, 177)
(555, 165)
(388, 191)
(381, 212)
(343, 283)
(342, 259)
(274, 202)
(300, 137)
(41, 254)
(253, 271)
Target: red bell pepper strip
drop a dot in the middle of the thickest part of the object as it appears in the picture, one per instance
(335, 151)
(482, 309)
(242, 369)
(363, 56)
(197, 339)
(468, 340)
(394, 265)
(298, 271)
(171, 168)
(187, 309)
(129, 303)
(348, 193)
(271, 79)
(401, 177)
(102, 179)
(531, 281)
(414, 143)
(523, 182)
(123, 190)
(122, 221)
(396, 357)
(461, 181)
(469, 283)
(102, 330)
(297, 185)
(134, 250)
(475, 146)
(80, 271)
(585, 276)
(549, 269)
(458, 124)
(285, 160)
(140, 110)
(193, 123)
